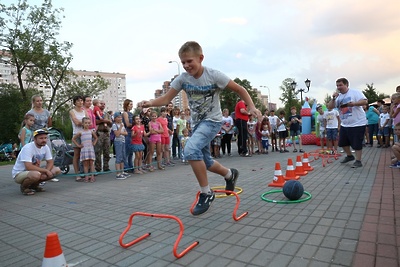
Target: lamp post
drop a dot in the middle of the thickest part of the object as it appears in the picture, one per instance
(179, 69)
(269, 96)
(301, 91)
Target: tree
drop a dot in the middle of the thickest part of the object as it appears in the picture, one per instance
(13, 111)
(288, 96)
(28, 33)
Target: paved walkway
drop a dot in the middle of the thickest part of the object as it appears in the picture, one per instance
(350, 220)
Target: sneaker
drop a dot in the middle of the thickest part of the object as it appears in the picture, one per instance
(395, 165)
(231, 182)
(54, 180)
(347, 159)
(126, 174)
(356, 164)
(301, 151)
(120, 177)
(42, 183)
(204, 203)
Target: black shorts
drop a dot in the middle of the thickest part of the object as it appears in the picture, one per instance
(352, 136)
(283, 134)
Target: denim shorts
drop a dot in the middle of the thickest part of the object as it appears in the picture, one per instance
(294, 133)
(384, 131)
(198, 145)
(331, 133)
(119, 151)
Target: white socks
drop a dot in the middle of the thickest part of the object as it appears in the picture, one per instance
(205, 189)
(228, 175)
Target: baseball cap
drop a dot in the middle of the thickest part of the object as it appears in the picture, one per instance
(318, 106)
(117, 114)
(40, 131)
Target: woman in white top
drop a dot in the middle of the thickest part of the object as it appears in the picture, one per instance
(76, 115)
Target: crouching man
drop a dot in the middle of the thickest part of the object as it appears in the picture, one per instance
(27, 171)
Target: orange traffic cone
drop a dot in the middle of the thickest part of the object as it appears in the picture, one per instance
(299, 167)
(306, 163)
(278, 180)
(53, 255)
(290, 174)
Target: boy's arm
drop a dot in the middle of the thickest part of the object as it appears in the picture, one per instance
(244, 95)
(160, 101)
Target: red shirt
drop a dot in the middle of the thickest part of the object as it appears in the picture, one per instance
(139, 131)
(238, 114)
(164, 124)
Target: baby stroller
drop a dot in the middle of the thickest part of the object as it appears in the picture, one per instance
(63, 153)
(6, 152)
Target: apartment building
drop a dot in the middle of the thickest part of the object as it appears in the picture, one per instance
(115, 94)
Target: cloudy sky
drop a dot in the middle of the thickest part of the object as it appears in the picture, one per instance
(262, 41)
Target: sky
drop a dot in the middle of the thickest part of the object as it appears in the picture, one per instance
(262, 41)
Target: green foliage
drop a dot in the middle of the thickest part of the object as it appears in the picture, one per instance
(229, 98)
(372, 95)
(13, 111)
(288, 97)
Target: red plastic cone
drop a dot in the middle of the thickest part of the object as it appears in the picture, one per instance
(306, 163)
(278, 180)
(299, 167)
(290, 174)
(53, 255)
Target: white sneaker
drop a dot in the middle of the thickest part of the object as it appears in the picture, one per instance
(126, 174)
(120, 177)
(55, 180)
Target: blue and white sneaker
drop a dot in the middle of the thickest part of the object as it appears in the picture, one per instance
(395, 165)
(204, 203)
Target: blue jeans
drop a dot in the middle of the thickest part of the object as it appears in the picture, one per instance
(120, 155)
(198, 145)
(128, 163)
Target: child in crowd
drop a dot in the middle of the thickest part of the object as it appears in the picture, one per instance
(119, 143)
(88, 140)
(395, 112)
(156, 130)
(98, 113)
(332, 123)
(282, 131)
(396, 148)
(227, 132)
(384, 121)
(216, 145)
(136, 145)
(264, 138)
(251, 134)
(165, 139)
(180, 125)
(259, 133)
(25, 134)
(273, 120)
(294, 123)
(184, 139)
(321, 124)
(203, 86)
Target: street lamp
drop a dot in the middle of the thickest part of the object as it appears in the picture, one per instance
(179, 69)
(301, 91)
(269, 96)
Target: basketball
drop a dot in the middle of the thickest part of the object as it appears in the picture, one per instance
(293, 190)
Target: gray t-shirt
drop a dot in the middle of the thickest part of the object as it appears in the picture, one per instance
(203, 93)
(41, 119)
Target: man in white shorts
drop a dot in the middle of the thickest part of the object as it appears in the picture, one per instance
(27, 171)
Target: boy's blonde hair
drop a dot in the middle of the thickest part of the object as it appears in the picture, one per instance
(95, 102)
(190, 47)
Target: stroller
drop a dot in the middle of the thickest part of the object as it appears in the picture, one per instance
(6, 152)
(63, 153)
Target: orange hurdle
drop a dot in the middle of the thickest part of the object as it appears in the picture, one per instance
(174, 251)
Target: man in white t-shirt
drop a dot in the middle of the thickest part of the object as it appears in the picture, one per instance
(352, 119)
(27, 171)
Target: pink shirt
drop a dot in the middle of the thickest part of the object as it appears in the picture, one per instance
(92, 118)
(397, 118)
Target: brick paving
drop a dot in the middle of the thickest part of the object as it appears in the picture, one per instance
(350, 220)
